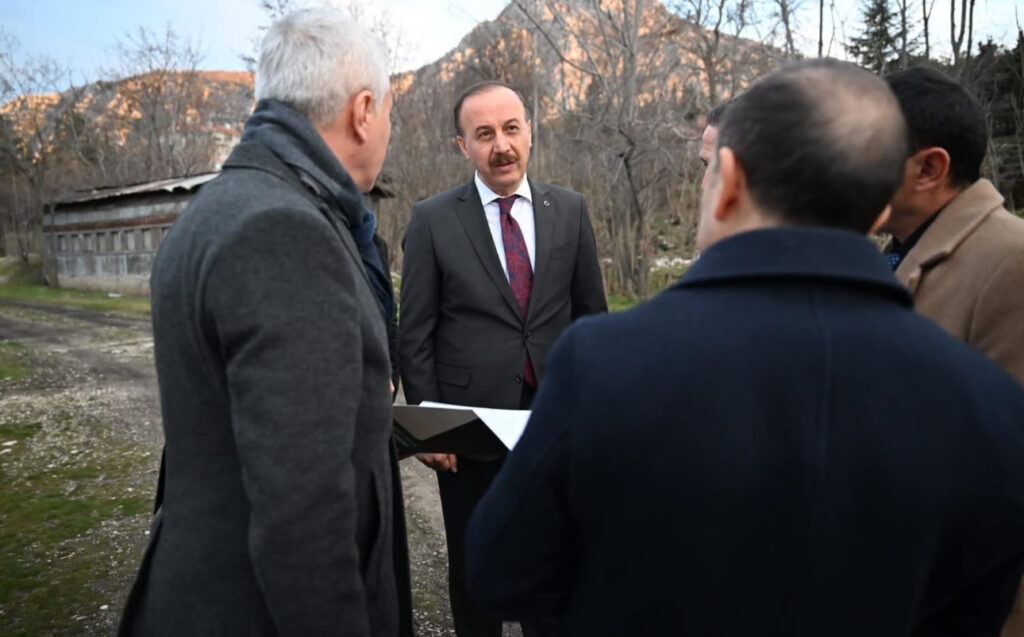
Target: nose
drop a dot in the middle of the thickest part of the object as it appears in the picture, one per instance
(501, 144)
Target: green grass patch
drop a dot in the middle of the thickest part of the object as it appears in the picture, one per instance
(47, 569)
(621, 302)
(12, 364)
(19, 431)
(98, 301)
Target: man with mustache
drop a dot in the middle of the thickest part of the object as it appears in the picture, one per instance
(494, 270)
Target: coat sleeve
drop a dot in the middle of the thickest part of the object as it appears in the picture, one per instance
(418, 311)
(383, 251)
(587, 285)
(280, 295)
(520, 550)
(997, 321)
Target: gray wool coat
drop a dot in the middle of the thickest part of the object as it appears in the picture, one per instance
(278, 511)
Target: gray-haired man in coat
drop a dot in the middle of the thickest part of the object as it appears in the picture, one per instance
(270, 309)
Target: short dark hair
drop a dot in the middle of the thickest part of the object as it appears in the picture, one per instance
(476, 89)
(940, 112)
(715, 114)
(820, 143)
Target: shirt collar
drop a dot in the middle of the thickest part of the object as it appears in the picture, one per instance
(903, 248)
(487, 195)
(793, 253)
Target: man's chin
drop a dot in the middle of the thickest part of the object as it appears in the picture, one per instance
(503, 181)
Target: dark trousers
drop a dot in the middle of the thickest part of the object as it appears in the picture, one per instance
(460, 493)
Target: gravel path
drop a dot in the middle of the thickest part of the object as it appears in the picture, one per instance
(90, 397)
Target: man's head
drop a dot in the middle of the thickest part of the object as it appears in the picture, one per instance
(494, 134)
(818, 143)
(948, 138)
(327, 67)
(709, 140)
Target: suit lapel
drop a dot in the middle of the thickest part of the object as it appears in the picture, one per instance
(544, 227)
(471, 213)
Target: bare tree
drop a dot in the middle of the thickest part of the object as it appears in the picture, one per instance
(717, 25)
(785, 16)
(37, 101)
(164, 107)
(821, 27)
(926, 15)
(956, 39)
(619, 88)
(902, 9)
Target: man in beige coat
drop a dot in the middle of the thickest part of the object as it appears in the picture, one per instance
(954, 245)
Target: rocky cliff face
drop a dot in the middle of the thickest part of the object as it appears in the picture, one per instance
(556, 52)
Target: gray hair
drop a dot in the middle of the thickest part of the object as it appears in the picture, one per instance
(315, 60)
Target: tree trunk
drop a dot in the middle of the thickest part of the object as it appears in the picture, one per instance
(926, 15)
(821, 27)
(904, 29)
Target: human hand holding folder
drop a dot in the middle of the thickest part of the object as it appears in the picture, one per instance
(441, 429)
(439, 461)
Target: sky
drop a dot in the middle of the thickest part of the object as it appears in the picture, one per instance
(82, 33)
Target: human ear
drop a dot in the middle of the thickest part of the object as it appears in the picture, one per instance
(932, 167)
(362, 111)
(731, 183)
(462, 146)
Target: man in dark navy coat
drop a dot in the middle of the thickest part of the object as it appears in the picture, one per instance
(776, 445)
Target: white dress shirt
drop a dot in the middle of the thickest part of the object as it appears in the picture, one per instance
(522, 212)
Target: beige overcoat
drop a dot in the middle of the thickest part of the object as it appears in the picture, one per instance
(967, 274)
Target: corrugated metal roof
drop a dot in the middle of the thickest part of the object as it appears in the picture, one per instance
(382, 189)
(165, 185)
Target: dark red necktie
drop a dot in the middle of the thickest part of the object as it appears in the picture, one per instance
(520, 273)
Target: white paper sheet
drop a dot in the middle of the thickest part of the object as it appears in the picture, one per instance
(507, 424)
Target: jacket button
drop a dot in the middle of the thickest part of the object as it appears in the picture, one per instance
(519, 379)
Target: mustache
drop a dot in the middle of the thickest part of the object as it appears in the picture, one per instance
(504, 158)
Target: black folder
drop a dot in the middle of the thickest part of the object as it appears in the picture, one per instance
(436, 429)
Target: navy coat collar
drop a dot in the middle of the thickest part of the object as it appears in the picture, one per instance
(797, 252)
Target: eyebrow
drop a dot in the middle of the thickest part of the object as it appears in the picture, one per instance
(487, 127)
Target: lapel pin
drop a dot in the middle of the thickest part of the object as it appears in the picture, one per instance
(547, 203)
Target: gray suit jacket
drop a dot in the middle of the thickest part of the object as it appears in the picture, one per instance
(272, 362)
(462, 339)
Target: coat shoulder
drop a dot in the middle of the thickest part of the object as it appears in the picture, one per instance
(1003, 230)
(444, 200)
(234, 199)
(558, 192)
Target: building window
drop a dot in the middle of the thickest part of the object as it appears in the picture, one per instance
(62, 243)
(131, 240)
(147, 239)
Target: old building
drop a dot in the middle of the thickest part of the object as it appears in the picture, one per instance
(106, 239)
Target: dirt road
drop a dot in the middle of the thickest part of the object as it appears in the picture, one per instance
(80, 441)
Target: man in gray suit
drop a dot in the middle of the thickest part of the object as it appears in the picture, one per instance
(277, 513)
(494, 270)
